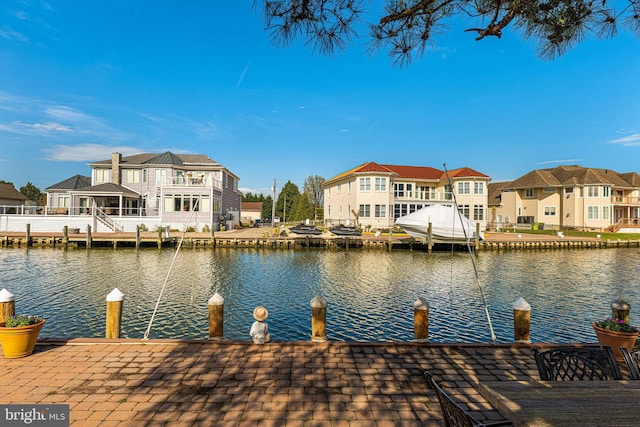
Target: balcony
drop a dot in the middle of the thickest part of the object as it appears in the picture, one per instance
(195, 181)
(625, 200)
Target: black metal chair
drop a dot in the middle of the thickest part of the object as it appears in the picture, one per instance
(632, 358)
(454, 415)
(577, 364)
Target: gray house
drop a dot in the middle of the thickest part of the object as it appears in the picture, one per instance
(176, 190)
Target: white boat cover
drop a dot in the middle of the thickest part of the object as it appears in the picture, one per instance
(446, 224)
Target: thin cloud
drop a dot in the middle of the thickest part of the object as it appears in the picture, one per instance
(244, 73)
(627, 141)
(85, 152)
(559, 161)
(9, 34)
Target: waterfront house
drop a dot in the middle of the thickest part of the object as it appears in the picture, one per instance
(374, 195)
(179, 191)
(11, 200)
(572, 197)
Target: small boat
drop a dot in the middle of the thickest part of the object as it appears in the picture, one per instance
(345, 230)
(305, 229)
(447, 225)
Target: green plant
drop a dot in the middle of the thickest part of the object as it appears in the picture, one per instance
(616, 325)
(22, 320)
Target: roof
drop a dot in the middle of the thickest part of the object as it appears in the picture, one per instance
(408, 172)
(561, 176)
(8, 192)
(73, 183)
(494, 191)
(166, 158)
(251, 206)
(108, 188)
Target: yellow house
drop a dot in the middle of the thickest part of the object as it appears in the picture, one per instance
(374, 195)
(564, 197)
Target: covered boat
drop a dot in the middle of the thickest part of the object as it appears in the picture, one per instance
(447, 225)
(305, 229)
(345, 230)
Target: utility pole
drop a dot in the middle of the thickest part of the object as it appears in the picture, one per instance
(273, 205)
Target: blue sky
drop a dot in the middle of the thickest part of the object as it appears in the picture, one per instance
(82, 79)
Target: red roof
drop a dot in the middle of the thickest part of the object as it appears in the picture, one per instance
(251, 206)
(410, 172)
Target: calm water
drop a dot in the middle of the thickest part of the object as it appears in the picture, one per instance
(370, 294)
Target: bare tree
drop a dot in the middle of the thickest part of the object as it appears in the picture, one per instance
(408, 26)
(312, 187)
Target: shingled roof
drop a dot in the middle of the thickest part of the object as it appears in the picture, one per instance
(562, 176)
(8, 192)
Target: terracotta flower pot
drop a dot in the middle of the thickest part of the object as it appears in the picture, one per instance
(20, 341)
(615, 340)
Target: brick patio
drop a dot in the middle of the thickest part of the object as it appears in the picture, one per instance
(185, 383)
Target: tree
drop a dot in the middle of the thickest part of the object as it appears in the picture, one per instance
(408, 26)
(2, 181)
(289, 192)
(313, 189)
(31, 191)
(302, 208)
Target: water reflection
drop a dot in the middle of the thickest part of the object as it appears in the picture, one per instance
(370, 294)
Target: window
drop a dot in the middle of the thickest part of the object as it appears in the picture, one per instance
(463, 188)
(568, 190)
(144, 175)
(399, 210)
(409, 190)
(427, 193)
(186, 203)
(349, 187)
(412, 208)
(398, 190)
(448, 192)
(606, 191)
(478, 212)
(593, 191)
(605, 211)
(365, 184)
(592, 212)
(464, 210)
(63, 201)
(549, 211)
(478, 188)
(548, 190)
(132, 176)
(528, 193)
(381, 184)
(103, 175)
(365, 211)
(338, 188)
(381, 211)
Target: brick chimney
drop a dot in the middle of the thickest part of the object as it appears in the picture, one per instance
(116, 158)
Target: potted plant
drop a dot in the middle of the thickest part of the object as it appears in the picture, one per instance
(616, 333)
(18, 335)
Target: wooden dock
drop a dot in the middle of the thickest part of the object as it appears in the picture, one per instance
(236, 239)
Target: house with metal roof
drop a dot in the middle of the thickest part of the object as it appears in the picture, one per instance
(570, 197)
(179, 191)
(374, 195)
